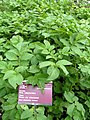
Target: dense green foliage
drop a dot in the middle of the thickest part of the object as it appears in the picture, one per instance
(43, 41)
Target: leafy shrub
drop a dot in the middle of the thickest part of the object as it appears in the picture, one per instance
(43, 41)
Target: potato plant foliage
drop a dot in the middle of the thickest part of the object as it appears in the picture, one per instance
(43, 41)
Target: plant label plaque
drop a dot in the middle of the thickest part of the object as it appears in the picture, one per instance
(28, 94)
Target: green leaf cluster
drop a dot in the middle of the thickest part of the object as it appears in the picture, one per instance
(43, 41)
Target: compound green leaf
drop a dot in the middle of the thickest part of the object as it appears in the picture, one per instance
(8, 74)
(70, 109)
(46, 63)
(53, 73)
(11, 55)
(41, 117)
(26, 114)
(15, 80)
(80, 107)
(64, 69)
(34, 69)
(26, 56)
(63, 62)
(69, 96)
(3, 65)
(16, 39)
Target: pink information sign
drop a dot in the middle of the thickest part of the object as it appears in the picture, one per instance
(33, 95)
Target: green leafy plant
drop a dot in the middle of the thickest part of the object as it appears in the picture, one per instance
(43, 41)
